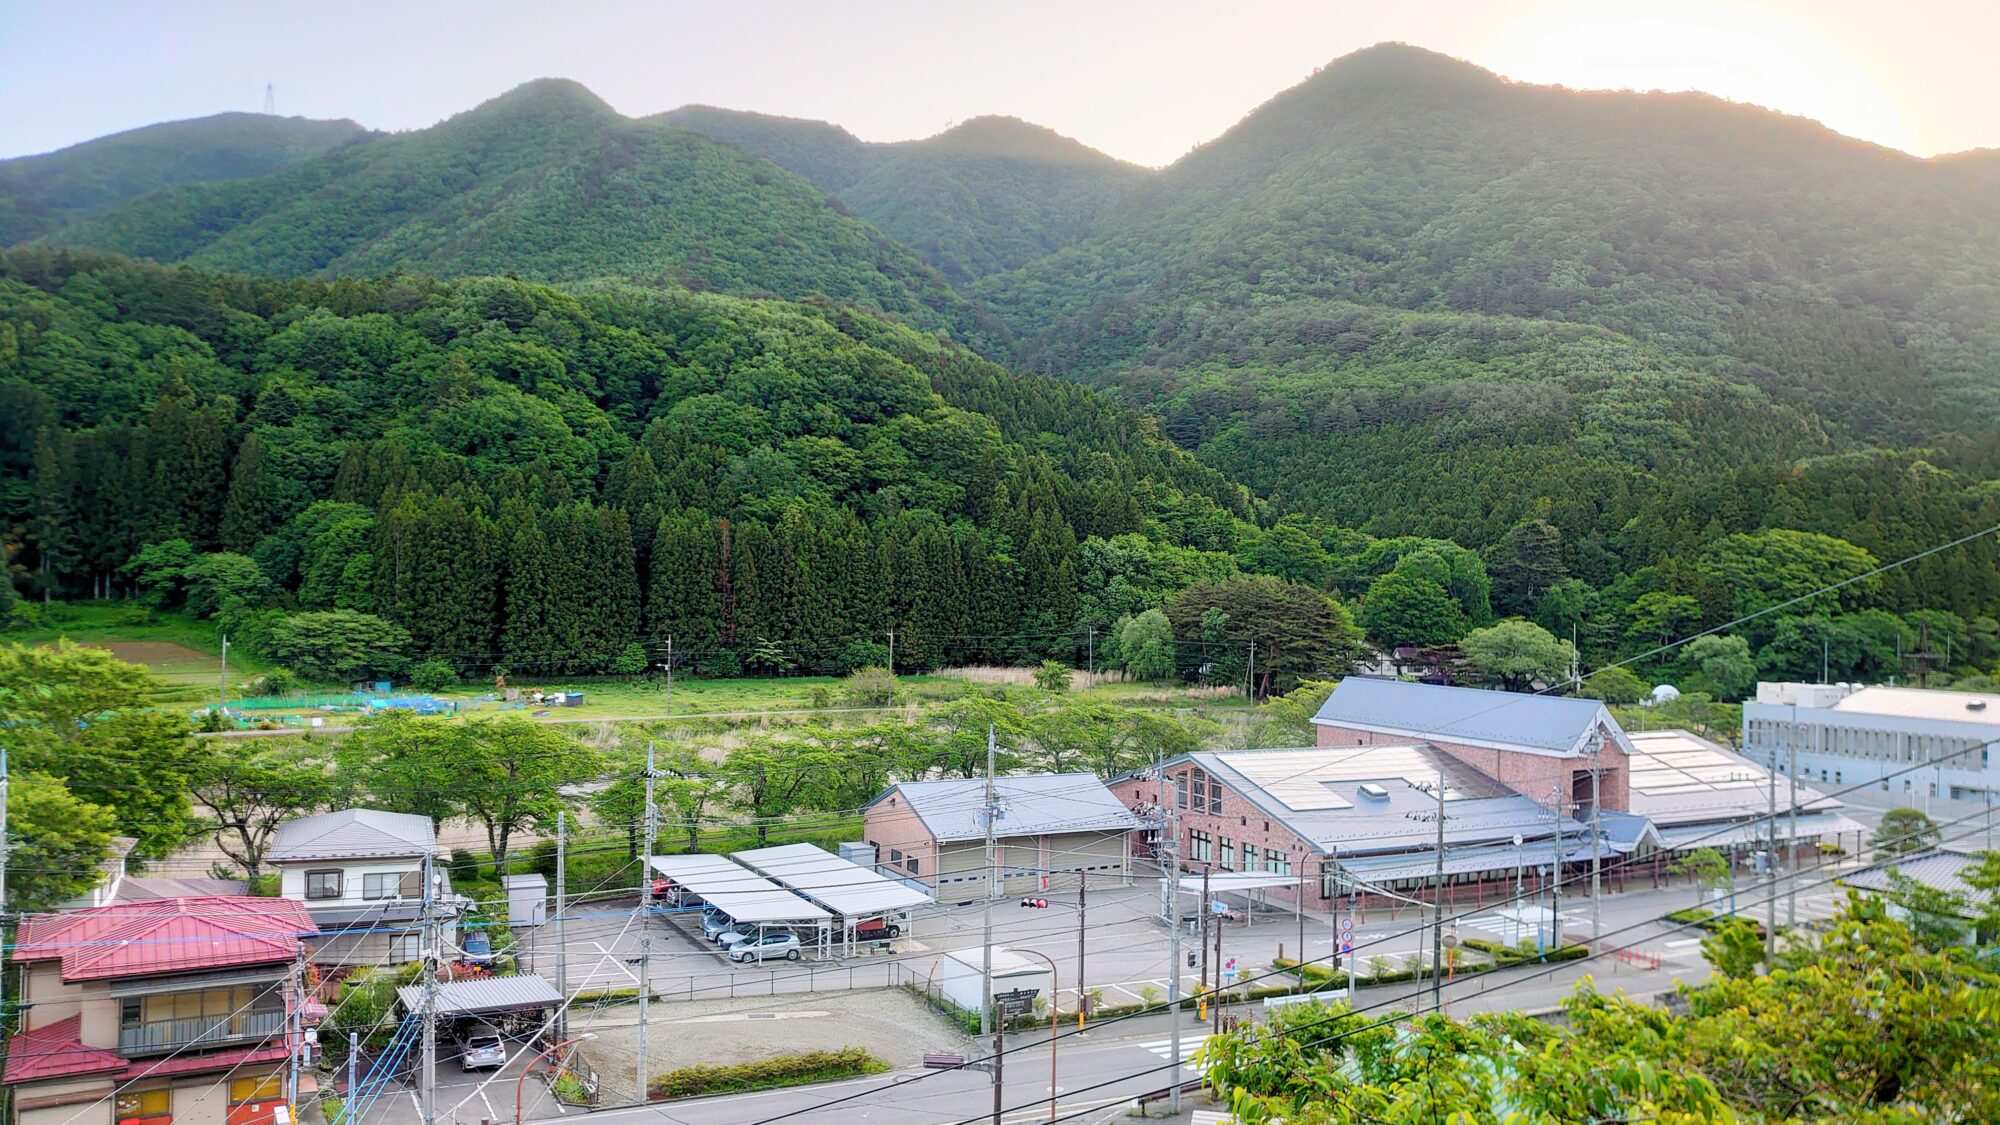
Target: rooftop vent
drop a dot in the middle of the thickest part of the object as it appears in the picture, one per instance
(1373, 790)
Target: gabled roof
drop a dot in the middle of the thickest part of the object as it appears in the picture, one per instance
(1031, 805)
(177, 935)
(1549, 724)
(154, 888)
(57, 1051)
(352, 834)
(1941, 869)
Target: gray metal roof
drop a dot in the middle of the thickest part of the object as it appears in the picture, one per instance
(352, 834)
(1316, 792)
(1681, 778)
(1031, 805)
(1550, 723)
(842, 886)
(152, 888)
(1942, 869)
(484, 995)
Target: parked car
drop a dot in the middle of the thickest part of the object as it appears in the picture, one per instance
(774, 943)
(734, 935)
(714, 923)
(878, 929)
(479, 1046)
(478, 948)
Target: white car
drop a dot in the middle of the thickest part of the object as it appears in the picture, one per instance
(734, 935)
(776, 943)
(480, 1046)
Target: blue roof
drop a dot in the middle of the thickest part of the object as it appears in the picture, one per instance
(1455, 714)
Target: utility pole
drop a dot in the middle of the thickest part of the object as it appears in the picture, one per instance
(645, 929)
(427, 1006)
(295, 1033)
(1215, 1009)
(999, 1056)
(1437, 909)
(6, 1018)
(1090, 657)
(1792, 834)
(222, 681)
(353, 1065)
(1170, 875)
(892, 651)
(1771, 904)
(1556, 872)
(1082, 997)
(1250, 679)
(670, 675)
(562, 942)
(1596, 840)
(986, 1020)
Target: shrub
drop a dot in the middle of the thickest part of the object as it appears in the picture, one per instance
(869, 687)
(433, 675)
(765, 1074)
(856, 655)
(1053, 675)
(278, 681)
(569, 1089)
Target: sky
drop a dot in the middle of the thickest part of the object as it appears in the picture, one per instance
(1143, 80)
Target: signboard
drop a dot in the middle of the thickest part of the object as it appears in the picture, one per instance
(1017, 996)
(1347, 935)
(1218, 907)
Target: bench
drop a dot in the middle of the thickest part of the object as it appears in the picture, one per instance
(944, 1060)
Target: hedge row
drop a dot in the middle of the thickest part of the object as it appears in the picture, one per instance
(1711, 921)
(1508, 956)
(765, 1074)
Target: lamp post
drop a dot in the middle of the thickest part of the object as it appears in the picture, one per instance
(1055, 987)
(544, 1051)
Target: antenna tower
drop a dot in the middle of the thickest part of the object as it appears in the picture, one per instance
(270, 99)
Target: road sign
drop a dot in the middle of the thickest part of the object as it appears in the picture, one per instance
(1017, 996)
(1218, 907)
(1346, 946)
(1347, 927)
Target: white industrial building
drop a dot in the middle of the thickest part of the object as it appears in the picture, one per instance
(1928, 749)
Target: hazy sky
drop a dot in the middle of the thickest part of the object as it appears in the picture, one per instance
(1141, 80)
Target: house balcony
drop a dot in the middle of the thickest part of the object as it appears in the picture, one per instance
(163, 1036)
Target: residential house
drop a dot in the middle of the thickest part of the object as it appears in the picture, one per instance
(164, 1012)
(359, 873)
(1050, 828)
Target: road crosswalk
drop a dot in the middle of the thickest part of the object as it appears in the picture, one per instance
(1514, 925)
(1164, 1048)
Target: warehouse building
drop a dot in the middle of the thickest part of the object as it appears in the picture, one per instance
(1050, 828)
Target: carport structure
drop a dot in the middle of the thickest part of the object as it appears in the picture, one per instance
(747, 897)
(484, 996)
(853, 893)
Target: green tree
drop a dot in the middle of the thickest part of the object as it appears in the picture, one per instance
(59, 690)
(251, 509)
(215, 580)
(1761, 569)
(1525, 562)
(433, 675)
(160, 569)
(1146, 645)
(1904, 831)
(1724, 664)
(1616, 685)
(509, 775)
(403, 762)
(770, 778)
(248, 796)
(1518, 653)
(56, 843)
(1404, 608)
(1660, 618)
(1052, 675)
(339, 645)
(1297, 631)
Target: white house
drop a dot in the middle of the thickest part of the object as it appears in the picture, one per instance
(359, 874)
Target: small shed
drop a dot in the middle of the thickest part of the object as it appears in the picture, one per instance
(957, 974)
(527, 899)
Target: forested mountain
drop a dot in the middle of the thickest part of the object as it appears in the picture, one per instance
(518, 475)
(544, 182)
(40, 193)
(985, 196)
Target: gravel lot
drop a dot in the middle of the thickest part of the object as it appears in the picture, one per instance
(890, 1023)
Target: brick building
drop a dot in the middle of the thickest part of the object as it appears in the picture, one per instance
(1051, 826)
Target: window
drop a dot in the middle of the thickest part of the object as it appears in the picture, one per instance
(323, 884)
(137, 1105)
(1249, 858)
(256, 1089)
(895, 855)
(1198, 846)
(1180, 791)
(1277, 862)
(1227, 860)
(1214, 796)
(378, 884)
(406, 947)
(910, 865)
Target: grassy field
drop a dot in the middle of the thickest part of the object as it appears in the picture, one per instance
(186, 655)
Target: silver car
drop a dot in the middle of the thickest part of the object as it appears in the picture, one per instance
(714, 923)
(480, 1046)
(775, 943)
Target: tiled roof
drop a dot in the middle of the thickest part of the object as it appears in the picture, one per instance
(207, 1060)
(1031, 805)
(352, 834)
(178, 935)
(1550, 723)
(56, 1051)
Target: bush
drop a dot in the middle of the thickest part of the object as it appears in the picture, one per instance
(278, 681)
(1053, 675)
(869, 687)
(856, 655)
(765, 1074)
(433, 675)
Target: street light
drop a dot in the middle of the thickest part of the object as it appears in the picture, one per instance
(1055, 987)
(538, 1054)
